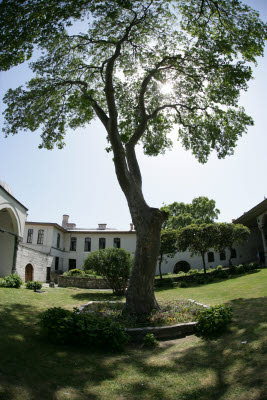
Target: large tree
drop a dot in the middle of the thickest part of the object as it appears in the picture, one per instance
(115, 70)
(200, 211)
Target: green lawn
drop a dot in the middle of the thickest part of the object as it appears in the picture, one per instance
(184, 369)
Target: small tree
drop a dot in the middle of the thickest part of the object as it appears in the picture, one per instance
(202, 210)
(168, 245)
(198, 239)
(230, 235)
(114, 265)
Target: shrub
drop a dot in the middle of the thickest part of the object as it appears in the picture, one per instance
(30, 285)
(192, 272)
(2, 282)
(222, 275)
(113, 265)
(11, 281)
(72, 327)
(74, 272)
(183, 284)
(213, 321)
(150, 340)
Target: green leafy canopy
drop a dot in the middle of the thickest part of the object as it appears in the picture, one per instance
(118, 63)
(200, 211)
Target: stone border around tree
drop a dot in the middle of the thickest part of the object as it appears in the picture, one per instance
(161, 332)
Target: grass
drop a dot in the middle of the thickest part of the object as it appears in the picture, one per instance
(183, 369)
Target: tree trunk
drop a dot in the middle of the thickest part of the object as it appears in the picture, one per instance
(140, 296)
(204, 264)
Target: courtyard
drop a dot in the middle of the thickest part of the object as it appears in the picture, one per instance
(229, 368)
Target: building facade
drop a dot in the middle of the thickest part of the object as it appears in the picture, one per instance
(42, 250)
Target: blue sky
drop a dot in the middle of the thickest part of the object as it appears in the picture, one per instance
(80, 179)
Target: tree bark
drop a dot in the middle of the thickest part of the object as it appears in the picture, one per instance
(204, 264)
(140, 297)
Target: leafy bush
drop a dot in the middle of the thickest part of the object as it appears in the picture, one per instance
(213, 321)
(2, 282)
(183, 284)
(150, 340)
(30, 285)
(11, 281)
(74, 272)
(192, 272)
(70, 327)
(113, 265)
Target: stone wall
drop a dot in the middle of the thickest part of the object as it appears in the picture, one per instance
(83, 283)
(38, 260)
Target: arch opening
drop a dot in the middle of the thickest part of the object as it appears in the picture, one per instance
(29, 270)
(8, 241)
(182, 266)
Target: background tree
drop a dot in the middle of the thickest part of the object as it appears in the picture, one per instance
(114, 265)
(230, 235)
(198, 239)
(168, 245)
(200, 211)
(115, 70)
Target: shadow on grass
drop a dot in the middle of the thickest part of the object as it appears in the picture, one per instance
(186, 370)
(192, 284)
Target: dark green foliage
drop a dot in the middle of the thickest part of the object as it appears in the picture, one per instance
(74, 272)
(200, 211)
(11, 281)
(71, 327)
(30, 285)
(114, 265)
(213, 321)
(150, 340)
(183, 284)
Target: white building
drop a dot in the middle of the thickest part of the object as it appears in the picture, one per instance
(41, 250)
(69, 246)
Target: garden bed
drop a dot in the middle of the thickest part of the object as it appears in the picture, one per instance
(174, 319)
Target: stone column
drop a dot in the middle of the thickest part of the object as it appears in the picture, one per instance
(261, 225)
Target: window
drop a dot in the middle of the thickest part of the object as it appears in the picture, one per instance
(210, 256)
(73, 243)
(87, 244)
(56, 263)
(72, 264)
(233, 253)
(102, 243)
(40, 239)
(222, 256)
(117, 243)
(30, 235)
(58, 240)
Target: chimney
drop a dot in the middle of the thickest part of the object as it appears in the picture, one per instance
(131, 226)
(65, 220)
(102, 226)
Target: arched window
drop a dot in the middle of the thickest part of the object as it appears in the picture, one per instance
(210, 256)
(40, 238)
(222, 256)
(87, 244)
(117, 243)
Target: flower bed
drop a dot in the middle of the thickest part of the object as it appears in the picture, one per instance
(170, 313)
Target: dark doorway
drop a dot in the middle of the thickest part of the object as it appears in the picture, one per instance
(48, 274)
(28, 273)
(183, 266)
